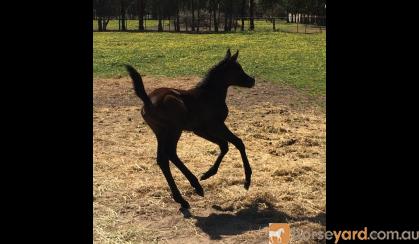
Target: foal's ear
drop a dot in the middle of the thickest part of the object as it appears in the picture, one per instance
(234, 57)
(228, 54)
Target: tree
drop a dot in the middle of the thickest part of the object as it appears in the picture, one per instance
(104, 9)
(214, 4)
(122, 20)
(198, 6)
(177, 21)
(193, 15)
(243, 13)
(141, 11)
(156, 7)
(251, 13)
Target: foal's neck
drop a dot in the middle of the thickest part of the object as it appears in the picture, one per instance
(217, 90)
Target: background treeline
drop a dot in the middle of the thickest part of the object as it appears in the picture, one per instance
(209, 13)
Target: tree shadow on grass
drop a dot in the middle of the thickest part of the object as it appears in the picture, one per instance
(250, 218)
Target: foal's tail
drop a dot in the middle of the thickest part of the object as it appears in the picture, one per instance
(138, 84)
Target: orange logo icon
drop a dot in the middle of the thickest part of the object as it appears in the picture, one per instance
(279, 233)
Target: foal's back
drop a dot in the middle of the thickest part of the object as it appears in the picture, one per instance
(167, 110)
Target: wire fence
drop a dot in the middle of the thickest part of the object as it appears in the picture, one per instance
(206, 25)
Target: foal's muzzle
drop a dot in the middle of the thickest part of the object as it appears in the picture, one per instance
(250, 82)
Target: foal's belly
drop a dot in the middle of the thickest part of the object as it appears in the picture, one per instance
(205, 119)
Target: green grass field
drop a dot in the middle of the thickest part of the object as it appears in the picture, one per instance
(295, 59)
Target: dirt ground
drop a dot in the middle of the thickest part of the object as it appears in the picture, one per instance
(284, 133)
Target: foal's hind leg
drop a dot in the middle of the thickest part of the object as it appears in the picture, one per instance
(181, 166)
(223, 144)
(163, 162)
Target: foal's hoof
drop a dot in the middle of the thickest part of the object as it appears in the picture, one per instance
(246, 185)
(206, 175)
(185, 212)
(199, 190)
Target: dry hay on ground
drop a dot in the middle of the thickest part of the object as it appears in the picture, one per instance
(284, 134)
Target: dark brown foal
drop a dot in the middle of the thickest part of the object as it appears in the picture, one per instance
(201, 110)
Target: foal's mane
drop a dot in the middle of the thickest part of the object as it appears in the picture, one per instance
(212, 74)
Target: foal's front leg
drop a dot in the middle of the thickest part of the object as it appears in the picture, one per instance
(223, 144)
(225, 133)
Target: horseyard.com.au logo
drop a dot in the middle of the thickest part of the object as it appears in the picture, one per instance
(279, 233)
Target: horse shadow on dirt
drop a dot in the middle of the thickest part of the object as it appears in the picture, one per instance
(247, 219)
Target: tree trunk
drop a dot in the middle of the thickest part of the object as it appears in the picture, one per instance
(225, 20)
(230, 15)
(186, 24)
(243, 13)
(177, 27)
(273, 24)
(219, 14)
(160, 26)
(210, 20)
(99, 24)
(251, 13)
(123, 26)
(193, 15)
(215, 20)
(141, 5)
(197, 26)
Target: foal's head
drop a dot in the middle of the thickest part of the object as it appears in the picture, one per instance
(229, 72)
